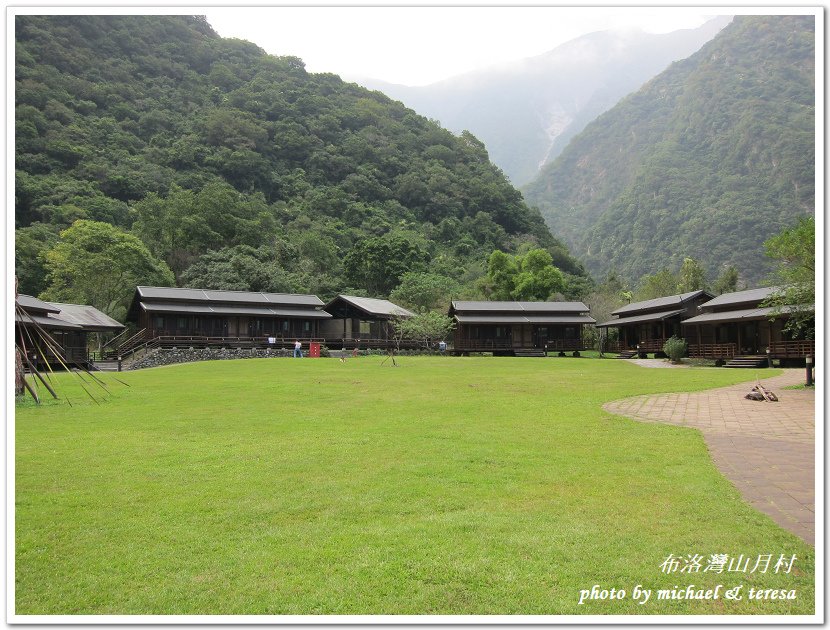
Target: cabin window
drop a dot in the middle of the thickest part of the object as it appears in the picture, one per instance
(285, 326)
(365, 327)
(571, 332)
(158, 323)
(181, 323)
(307, 326)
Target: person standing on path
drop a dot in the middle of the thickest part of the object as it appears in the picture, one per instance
(298, 350)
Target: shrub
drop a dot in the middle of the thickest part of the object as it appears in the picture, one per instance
(675, 349)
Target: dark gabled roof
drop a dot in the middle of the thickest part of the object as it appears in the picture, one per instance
(371, 306)
(731, 316)
(44, 321)
(750, 296)
(736, 315)
(63, 316)
(663, 303)
(641, 319)
(530, 318)
(208, 301)
(208, 295)
(87, 317)
(232, 309)
(469, 307)
(33, 305)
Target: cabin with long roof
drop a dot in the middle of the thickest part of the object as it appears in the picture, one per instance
(204, 317)
(645, 326)
(360, 322)
(39, 325)
(517, 328)
(737, 325)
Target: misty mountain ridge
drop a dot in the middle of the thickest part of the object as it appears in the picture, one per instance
(526, 111)
(708, 159)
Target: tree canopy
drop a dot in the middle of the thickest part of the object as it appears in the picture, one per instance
(99, 264)
(528, 277)
(794, 249)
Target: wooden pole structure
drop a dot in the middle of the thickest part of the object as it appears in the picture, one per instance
(19, 375)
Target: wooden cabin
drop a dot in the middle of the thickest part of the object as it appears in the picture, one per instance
(735, 324)
(39, 324)
(645, 326)
(516, 328)
(360, 322)
(204, 317)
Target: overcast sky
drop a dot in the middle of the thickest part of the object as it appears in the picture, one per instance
(421, 45)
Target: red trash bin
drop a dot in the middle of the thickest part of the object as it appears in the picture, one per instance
(314, 349)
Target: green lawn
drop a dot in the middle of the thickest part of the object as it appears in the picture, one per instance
(442, 486)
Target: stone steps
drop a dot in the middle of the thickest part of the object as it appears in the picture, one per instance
(748, 361)
(529, 353)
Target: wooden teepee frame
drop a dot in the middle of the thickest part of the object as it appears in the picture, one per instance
(45, 345)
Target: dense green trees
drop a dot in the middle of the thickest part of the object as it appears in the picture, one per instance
(240, 169)
(185, 223)
(727, 281)
(691, 277)
(528, 277)
(98, 264)
(425, 291)
(794, 249)
(657, 285)
(379, 263)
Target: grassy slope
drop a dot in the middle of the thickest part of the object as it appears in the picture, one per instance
(473, 485)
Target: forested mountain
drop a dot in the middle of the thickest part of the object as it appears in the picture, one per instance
(707, 160)
(240, 170)
(526, 111)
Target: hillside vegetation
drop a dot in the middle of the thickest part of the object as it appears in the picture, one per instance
(707, 160)
(240, 170)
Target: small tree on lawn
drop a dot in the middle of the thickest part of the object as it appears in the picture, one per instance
(427, 328)
(675, 348)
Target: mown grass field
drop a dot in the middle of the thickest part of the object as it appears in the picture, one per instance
(442, 486)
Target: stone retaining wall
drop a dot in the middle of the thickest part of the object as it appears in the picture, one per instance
(170, 356)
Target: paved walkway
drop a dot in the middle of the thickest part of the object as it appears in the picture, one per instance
(656, 363)
(766, 449)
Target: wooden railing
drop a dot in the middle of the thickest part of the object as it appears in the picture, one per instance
(483, 345)
(127, 347)
(650, 345)
(490, 345)
(563, 345)
(198, 341)
(72, 355)
(792, 349)
(712, 350)
(647, 345)
(613, 346)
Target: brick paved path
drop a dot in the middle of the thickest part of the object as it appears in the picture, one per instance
(766, 449)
